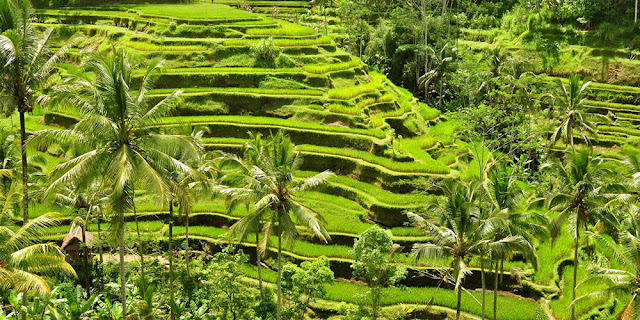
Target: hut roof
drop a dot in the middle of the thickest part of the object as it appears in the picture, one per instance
(77, 235)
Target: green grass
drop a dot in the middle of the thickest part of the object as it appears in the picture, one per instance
(266, 121)
(324, 40)
(145, 46)
(612, 106)
(429, 113)
(196, 11)
(365, 103)
(332, 67)
(236, 70)
(340, 108)
(433, 167)
(346, 93)
(348, 292)
(266, 91)
(623, 130)
(286, 29)
(561, 307)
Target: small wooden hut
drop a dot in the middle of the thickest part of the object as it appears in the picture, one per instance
(71, 245)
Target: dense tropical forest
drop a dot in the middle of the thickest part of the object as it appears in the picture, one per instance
(332, 159)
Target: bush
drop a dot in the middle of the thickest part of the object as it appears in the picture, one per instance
(265, 50)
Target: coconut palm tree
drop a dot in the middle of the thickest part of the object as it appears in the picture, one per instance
(625, 280)
(118, 146)
(462, 233)
(241, 167)
(586, 188)
(24, 259)
(270, 187)
(573, 115)
(27, 64)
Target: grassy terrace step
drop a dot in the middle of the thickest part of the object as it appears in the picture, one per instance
(321, 41)
(259, 91)
(384, 205)
(619, 130)
(432, 167)
(155, 230)
(286, 29)
(206, 70)
(598, 85)
(348, 292)
(612, 106)
(202, 13)
(276, 122)
(291, 3)
(418, 168)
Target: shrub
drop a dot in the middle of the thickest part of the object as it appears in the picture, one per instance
(265, 50)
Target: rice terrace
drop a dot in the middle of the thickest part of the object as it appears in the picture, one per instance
(324, 159)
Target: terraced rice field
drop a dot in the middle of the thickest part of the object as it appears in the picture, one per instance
(340, 114)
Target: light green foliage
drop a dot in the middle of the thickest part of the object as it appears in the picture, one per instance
(265, 50)
(228, 294)
(303, 284)
(195, 11)
(372, 252)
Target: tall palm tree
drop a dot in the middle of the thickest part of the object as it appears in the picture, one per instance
(270, 187)
(186, 187)
(619, 281)
(573, 114)
(241, 167)
(24, 259)
(586, 188)
(456, 236)
(119, 146)
(27, 64)
(462, 233)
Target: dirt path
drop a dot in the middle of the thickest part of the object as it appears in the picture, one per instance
(132, 257)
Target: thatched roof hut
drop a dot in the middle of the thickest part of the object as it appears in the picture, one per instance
(71, 243)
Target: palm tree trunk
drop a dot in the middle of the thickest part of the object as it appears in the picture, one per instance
(87, 280)
(586, 229)
(279, 275)
(501, 270)
(495, 293)
(25, 176)
(24, 304)
(186, 239)
(123, 293)
(140, 252)
(484, 289)
(259, 262)
(635, 19)
(100, 239)
(575, 266)
(173, 314)
(459, 304)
